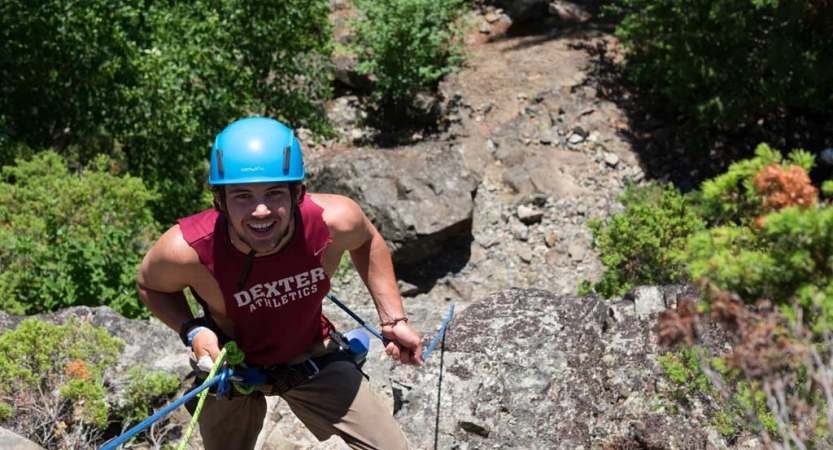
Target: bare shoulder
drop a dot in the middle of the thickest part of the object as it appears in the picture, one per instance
(170, 263)
(341, 214)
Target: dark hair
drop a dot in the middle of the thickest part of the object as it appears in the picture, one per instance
(220, 189)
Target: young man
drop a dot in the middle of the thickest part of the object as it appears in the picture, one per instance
(259, 263)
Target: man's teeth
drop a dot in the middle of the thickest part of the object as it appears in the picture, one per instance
(261, 226)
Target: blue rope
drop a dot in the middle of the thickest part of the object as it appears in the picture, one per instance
(430, 349)
(358, 319)
(425, 355)
(222, 376)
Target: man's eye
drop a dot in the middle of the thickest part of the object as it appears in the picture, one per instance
(274, 193)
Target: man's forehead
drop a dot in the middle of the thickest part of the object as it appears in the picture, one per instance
(250, 187)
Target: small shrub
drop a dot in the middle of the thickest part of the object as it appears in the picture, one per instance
(52, 387)
(407, 45)
(768, 281)
(144, 391)
(732, 198)
(51, 374)
(640, 246)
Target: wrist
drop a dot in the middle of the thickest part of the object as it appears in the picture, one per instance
(393, 321)
(193, 333)
(189, 325)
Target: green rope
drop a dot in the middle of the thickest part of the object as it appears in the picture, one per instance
(235, 357)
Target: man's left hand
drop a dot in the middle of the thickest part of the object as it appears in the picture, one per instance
(404, 343)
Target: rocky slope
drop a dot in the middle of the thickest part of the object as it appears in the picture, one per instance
(490, 215)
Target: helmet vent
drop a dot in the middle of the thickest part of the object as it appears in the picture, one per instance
(286, 152)
(220, 168)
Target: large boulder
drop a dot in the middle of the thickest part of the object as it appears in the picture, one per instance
(534, 370)
(419, 197)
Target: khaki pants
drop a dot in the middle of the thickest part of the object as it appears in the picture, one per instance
(337, 401)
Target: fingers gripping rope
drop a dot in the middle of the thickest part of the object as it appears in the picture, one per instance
(235, 357)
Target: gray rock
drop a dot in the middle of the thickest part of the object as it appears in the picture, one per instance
(611, 159)
(420, 198)
(529, 215)
(12, 441)
(577, 252)
(520, 231)
(647, 300)
(534, 370)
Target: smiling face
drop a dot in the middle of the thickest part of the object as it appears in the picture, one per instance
(259, 215)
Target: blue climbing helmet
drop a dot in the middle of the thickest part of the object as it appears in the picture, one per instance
(256, 150)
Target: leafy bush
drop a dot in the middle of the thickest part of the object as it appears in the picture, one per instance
(69, 239)
(208, 63)
(152, 83)
(407, 45)
(731, 198)
(725, 63)
(641, 245)
(768, 262)
(144, 390)
(39, 360)
(773, 241)
(65, 66)
(52, 387)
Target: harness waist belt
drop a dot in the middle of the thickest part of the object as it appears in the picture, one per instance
(284, 377)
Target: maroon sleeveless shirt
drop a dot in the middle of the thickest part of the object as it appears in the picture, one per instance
(277, 314)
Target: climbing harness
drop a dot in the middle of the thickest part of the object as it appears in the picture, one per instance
(282, 377)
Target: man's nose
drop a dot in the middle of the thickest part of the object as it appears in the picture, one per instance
(261, 211)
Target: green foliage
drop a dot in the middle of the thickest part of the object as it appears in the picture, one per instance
(767, 252)
(144, 390)
(750, 397)
(6, 411)
(207, 63)
(345, 265)
(688, 380)
(641, 245)
(152, 83)
(69, 239)
(683, 370)
(731, 197)
(761, 254)
(64, 68)
(37, 358)
(85, 392)
(726, 62)
(407, 45)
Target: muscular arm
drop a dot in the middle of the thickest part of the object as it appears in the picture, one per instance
(352, 231)
(162, 279)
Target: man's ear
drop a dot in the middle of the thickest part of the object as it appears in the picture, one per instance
(218, 200)
(302, 190)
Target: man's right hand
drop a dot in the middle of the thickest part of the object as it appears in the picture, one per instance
(206, 348)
